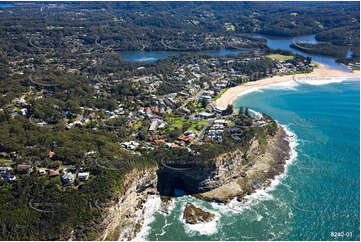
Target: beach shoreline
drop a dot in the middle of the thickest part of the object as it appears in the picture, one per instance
(320, 72)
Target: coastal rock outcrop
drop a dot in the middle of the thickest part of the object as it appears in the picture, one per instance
(194, 215)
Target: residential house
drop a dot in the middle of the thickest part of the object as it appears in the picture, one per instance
(131, 145)
(205, 115)
(5, 170)
(186, 138)
(42, 171)
(68, 178)
(53, 173)
(24, 168)
(159, 141)
(83, 176)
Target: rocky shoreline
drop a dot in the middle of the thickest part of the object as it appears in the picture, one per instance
(256, 175)
(231, 179)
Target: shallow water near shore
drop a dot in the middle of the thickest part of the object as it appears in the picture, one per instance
(319, 193)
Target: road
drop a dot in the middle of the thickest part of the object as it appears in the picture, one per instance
(192, 99)
(201, 135)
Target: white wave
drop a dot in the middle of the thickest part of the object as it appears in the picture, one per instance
(256, 114)
(208, 228)
(163, 228)
(152, 205)
(259, 217)
(289, 85)
(292, 85)
(322, 80)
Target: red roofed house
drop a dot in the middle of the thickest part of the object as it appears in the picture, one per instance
(155, 109)
(4, 154)
(147, 110)
(186, 138)
(167, 102)
(174, 146)
(53, 173)
(159, 141)
(51, 154)
(24, 168)
(91, 115)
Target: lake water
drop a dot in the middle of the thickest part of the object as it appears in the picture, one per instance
(284, 44)
(152, 56)
(272, 42)
(5, 5)
(319, 193)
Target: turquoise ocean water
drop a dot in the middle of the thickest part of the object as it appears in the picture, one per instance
(318, 194)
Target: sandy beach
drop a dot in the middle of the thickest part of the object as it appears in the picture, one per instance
(322, 71)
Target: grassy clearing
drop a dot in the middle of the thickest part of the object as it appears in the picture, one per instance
(113, 236)
(176, 123)
(54, 27)
(293, 14)
(229, 27)
(219, 94)
(279, 57)
(138, 125)
(195, 124)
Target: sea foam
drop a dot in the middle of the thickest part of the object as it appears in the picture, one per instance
(208, 228)
(152, 205)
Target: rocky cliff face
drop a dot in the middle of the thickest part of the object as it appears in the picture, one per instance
(228, 166)
(197, 181)
(125, 219)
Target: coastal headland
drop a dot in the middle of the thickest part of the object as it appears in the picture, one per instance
(322, 71)
(235, 174)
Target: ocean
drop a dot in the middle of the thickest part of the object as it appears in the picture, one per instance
(317, 198)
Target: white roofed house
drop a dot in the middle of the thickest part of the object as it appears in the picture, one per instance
(68, 178)
(153, 126)
(205, 115)
(130, 145)
(83, 176)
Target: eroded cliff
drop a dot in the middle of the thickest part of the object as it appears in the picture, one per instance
(235, 174)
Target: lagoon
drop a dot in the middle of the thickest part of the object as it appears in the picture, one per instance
(152, 56)
(274, 42)
(2, 5)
